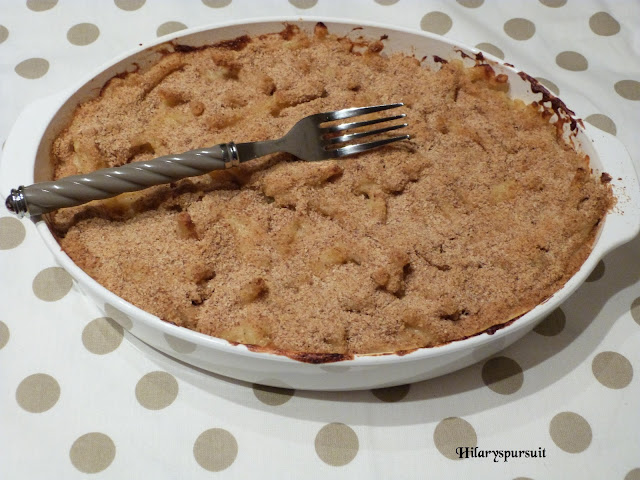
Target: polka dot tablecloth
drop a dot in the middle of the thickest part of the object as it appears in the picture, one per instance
(79, 396)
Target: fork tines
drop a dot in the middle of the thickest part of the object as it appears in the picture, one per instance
(357, 111)
(360, 147)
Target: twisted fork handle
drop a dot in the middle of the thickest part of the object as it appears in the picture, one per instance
(75, 190)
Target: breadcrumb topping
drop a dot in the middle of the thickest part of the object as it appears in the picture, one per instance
(484, 213)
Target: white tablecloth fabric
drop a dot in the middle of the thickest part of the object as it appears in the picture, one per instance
(77, 398)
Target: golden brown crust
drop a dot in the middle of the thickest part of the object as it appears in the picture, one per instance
(481, 216)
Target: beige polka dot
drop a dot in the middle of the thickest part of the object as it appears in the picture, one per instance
(337, 444)
(519, 28)
(492, 49)
(502, 375)
(451, 433)
(570, 432)
(4, 335)
(38, 393)
(573, 61)
(216, 3)
(633, 474)
(392, 394)
(602, 122)
(272, 396)
(118, 316)
(157, 390)
(387, 2)
(41, 5)
(303, 3)
(215, 449)
(553, 3)
(129, 5)
(170, 27)
(92, 452)
(436, 22)
(179, 345)
(552, 87)
(12, 233)
(4, 33)
(597, 272)
(635, 310)
(32, 68)
(602, 23)
(102, 335)
(612, 370)
(553, 324)
(83, 34)
(629, 89)
(52, 284)
(470, 3)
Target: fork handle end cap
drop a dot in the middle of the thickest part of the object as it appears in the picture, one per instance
(16, 202)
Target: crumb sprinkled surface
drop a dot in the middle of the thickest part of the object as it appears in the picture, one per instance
(478, 218)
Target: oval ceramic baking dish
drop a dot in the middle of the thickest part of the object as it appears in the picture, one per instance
(26, 160)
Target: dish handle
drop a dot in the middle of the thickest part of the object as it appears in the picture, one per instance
(21, 146)
(623, 222)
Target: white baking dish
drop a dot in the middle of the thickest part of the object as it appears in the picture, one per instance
(26, 159)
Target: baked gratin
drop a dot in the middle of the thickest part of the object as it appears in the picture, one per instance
(483, 214)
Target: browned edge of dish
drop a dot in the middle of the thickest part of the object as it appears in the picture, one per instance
(322, 358)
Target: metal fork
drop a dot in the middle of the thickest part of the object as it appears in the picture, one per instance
(308, 140)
